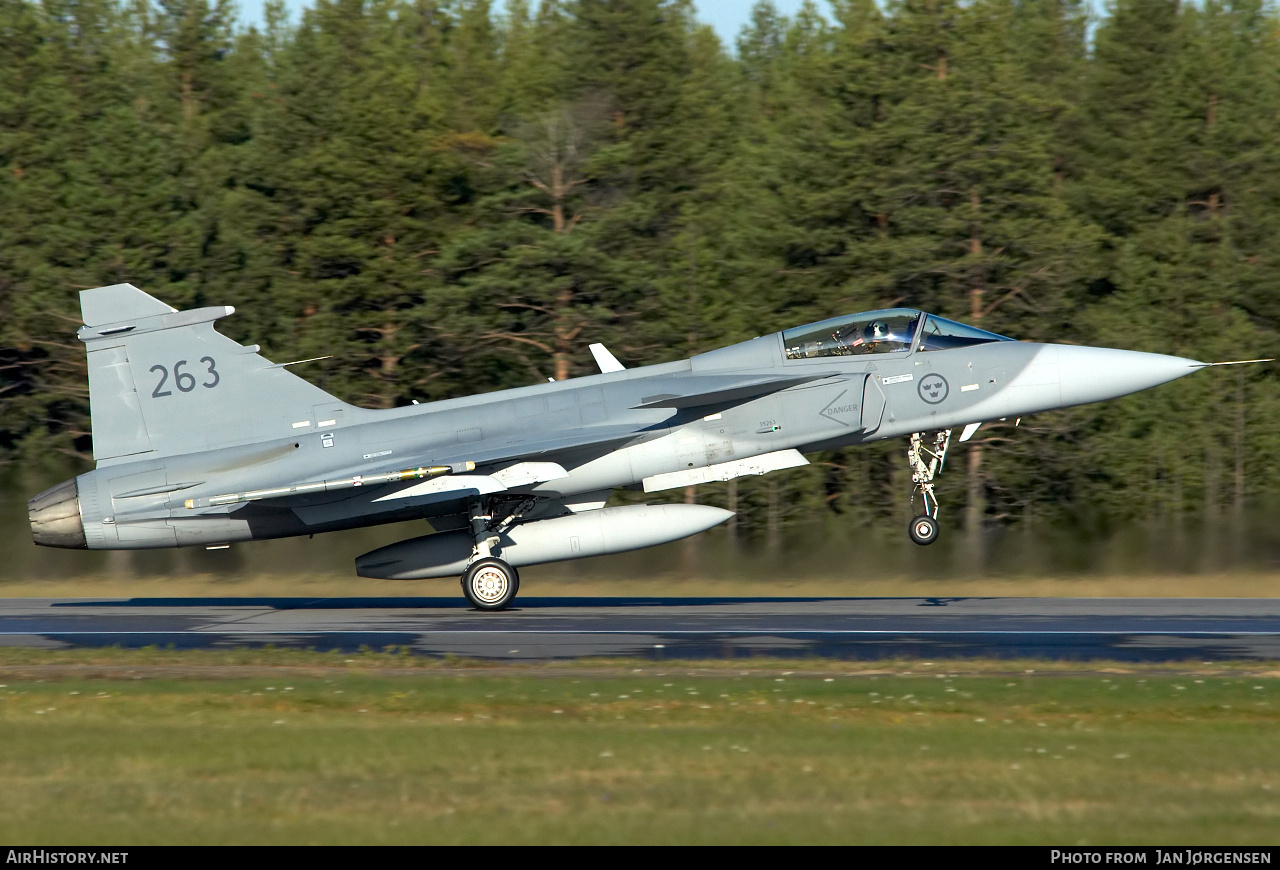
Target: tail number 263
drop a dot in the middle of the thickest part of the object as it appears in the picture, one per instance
(185, 381)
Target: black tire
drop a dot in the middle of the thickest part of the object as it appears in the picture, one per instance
(923, 530)
(490, 584)
(462, 581)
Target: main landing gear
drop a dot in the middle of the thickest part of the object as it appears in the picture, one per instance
(490, 583)
(926, 462)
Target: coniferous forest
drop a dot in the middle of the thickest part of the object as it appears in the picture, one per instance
(454, 196)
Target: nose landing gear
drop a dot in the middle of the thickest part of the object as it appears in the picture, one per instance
(926, 462)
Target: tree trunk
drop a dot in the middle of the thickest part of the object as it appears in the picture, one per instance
(689, 549)
(188, 99)
(773, 520)
(557, 199)
(565, 334)
(1237, 501)
(388, 363)
(733, 506)
(974, 506)
(1211, 522)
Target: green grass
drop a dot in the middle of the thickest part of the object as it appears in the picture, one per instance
(112, 747)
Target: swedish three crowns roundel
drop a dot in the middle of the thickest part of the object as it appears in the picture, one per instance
(933, 388)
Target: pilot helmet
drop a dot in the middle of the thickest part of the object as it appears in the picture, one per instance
(876, 330)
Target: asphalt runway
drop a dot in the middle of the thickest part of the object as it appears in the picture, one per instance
(1125, 629)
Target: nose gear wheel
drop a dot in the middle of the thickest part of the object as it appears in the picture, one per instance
(923, 530)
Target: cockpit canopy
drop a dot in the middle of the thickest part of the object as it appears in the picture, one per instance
(890, 330)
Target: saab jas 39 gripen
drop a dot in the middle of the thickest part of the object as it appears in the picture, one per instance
(200, 441)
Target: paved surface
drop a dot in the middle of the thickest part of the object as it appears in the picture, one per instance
(1130, 629)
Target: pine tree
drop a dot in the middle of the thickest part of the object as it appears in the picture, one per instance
(530, 284)
(85, 198)
(358, 191)
(1186, 254)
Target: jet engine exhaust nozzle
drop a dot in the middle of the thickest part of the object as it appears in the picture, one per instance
(55, 517)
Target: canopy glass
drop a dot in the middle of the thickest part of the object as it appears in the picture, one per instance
(942, 334)
(889, 330)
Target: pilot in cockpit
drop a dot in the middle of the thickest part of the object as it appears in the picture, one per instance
(876, 336)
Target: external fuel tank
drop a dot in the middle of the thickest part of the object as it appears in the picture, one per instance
(590, 533)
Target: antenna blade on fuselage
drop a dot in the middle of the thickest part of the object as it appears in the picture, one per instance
(605, 360)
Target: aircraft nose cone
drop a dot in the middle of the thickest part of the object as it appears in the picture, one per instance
(1093, 374)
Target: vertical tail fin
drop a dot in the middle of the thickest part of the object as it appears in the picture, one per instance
(164, 382)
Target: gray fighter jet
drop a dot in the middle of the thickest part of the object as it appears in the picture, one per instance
(199, 441)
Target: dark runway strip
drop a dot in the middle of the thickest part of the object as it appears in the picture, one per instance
(1126, 629)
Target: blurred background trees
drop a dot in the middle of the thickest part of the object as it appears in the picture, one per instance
(452, 196)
